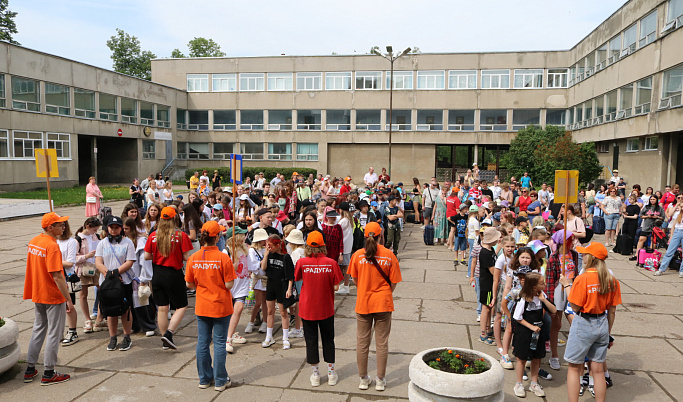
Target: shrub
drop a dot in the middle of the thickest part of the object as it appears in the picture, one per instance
(268, 172)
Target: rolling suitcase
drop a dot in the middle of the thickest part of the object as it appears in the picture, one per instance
(649, 257)
(429, 235)
(624, 245)
(598, 225)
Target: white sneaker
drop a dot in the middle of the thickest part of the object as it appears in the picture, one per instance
(228, 346)
(680, 274)
(238, 339)
(658, 273)
(332, 379)
(93, 316)
(315, 380)
(537, 389)
(380, 384)
(343, 290)
(169, 315)
(478, 317)
(249, 328)
(520, 391)
(555, 363)
(296, 333)
(263, 328)
(365, 382)
(149, 333)
(267, 343)
(285, 344)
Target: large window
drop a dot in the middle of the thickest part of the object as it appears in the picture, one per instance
(675, 11)
(590, 64)
(625, 101)
(197, 150)
(599, 109)
(197, 82)
(252, 81)
(557, 78)
(648, 29)
(61, 143)
(643, 95)
(651, 143)
(280, 151)
(224, 120)
(493, 120)
(307, 152)
(3, 103)
(251, 120)
(610, 105)
(181, 119)
(338, 120)
(462, 79)
(163, 116)
(431, 79)
(4, 144)
(672, 86)
(429, 120)
(25, 142)
(368, 120)
(129, 110)
(338, 81)
(555, 117)
(461, 120)
(222, 150)
(309, 81)
(280, 119)
(84, 103)
(614, 49)
(149, 149)
(529, 78)
(146, 113)
(252, 150)
(632, 144)
(630, 40)
(280, 81)
(199, 120)
(402, 80)
(521, 118)
(224, 82)
(57, 99)
(182, 150)
(108, 107)
(25, 94)
(492, 79)
(400, 120)
(601, 56)
(309, 119)
(368, 80)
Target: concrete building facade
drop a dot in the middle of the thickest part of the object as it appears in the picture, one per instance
(619, 87)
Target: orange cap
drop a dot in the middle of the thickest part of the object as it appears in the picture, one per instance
(315, 239)
(295, 174)
(347, 178)
(51, 218)
(372, 227)
(168, 213)
(595, 249)
(212, 228)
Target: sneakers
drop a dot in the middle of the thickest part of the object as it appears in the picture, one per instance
(30, 374)
(561, 343)
(506, 362)
(544, 375)
(285, 344)
(204, 386)
(238, 339)
(365, 383)
(680, 274)
(93, 316)
(591, 390)
(315, 380)
(249, 328)
(658, 273)
(126, 344)
(70, 339)
(228, 346)
(296, 333)
(221, 388)
(485, 339)
(112, 343)
(519, 390)
(478, 317)
(263, 328)
(537, 389)
(380, 384)
(555, 363)
(191, 292)
(268, 343)
(456, 263)
(343, 290)
(56, 378)
(87, 327)
(608, 381)
(100, 326)
(525, 377)
(332, 379)
(500, 351)
(167, 340)
(149, 333)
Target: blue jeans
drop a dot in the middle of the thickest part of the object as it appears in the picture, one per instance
(476, 290)
(676, 242)
(205, 327)
(469, 264)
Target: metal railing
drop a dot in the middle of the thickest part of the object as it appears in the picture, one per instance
(430, 127)
(400, 127)
(279, 127)
(65, 111)
(251, 127)
(225, 127)
(493, 127)
(129, 119)
(310, 127)
(146, 122)
(461, 127)
(24, 105)
(165, 124)
(88, 114)
(337, 127)
(368, 127)
(109, 116)
(198, 127)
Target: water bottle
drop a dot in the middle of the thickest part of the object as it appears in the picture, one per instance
(534, 340)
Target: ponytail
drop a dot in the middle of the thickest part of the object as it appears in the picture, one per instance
(605, 277)
(371, 246)
(206, 240)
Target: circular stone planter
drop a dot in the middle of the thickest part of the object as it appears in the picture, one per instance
(9, 347)
(428, 384)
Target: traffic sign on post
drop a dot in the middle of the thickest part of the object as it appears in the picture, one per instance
(236, 168)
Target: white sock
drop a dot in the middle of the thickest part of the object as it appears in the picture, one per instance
(590, 381)
(606, 373)
(269, 333)
(330, 368)
(316, 370)
(285, 334)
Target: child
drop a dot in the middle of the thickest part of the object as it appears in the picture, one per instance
(487, 297)
(279, 269)
(240, 289)
(459, 222)
(393, 213)
(474, 255)
(515, 282)
(521, 232)
(333, 234)
(528, 342)
(499, 280)
(295, 247)
(254, 259)
(472, 232)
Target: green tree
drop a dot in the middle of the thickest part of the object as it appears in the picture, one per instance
(177, 54)
(7, 25)
(202, 47)
(541, 152)
(128, 57)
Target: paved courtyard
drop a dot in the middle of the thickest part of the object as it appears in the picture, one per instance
(434, 307)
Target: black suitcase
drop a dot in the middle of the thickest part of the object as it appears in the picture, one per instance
(624, 245)
(598, 225)
(429, 235)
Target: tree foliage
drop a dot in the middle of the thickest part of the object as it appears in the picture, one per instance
(177, 54)
(202, 47)
(7, 25)
(128, 57)
(541, 152)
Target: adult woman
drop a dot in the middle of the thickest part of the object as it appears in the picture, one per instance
(136, 194)
(153, 196)
(131, 211)
(215, 180)
(439, 218)
(593, 297)
(143, 314)
(534, 208)
(191, 225)
(335, 188)
(69, 247)
(611, 206)
(151, 217)
(645, 198)
(452, 207)
(581, 204)
(524, 200)
(505, 193)
(240, 289)
(416, 197)
(93, 195)
(325, 187)
(675, 214)
(316, 304)
(213, 306)
(650, 214)
(375, 271)
(85, 266)
(168, 192)
(631, 222)
(292, 198)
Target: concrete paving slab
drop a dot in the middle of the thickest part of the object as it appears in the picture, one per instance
(661, 357)
(12, 386)
(647, 325)
(658, 287)
(413, 274)
(435, 291)
(447, 277)
(244, 392)
(449, 312)
(672, 384)
(143, 387)
(652, 304)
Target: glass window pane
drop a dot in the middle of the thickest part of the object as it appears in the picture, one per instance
(84, 99)
(26, 90)
(128, 107)
(56, 95)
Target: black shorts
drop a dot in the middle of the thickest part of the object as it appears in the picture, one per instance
(168, 287)
(275, 290)
(73, 298)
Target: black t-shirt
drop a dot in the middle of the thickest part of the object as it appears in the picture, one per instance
(280, 267)
(460, 222)
(487, 259)
(391, 211)
(488, 192)
(136, 198)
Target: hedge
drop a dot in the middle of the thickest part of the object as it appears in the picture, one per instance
(268, 172)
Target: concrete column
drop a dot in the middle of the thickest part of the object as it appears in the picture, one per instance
(476, 155)
(93, 156)
(353, 122)
(8, 91)
(97, 105)
(72, 104)
(323, 119)
(445, 120)
(41, 85)
(413, 119)
(210, 119)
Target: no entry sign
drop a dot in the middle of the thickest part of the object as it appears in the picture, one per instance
(120, 133)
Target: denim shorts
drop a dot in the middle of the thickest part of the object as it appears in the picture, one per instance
(460, 243)
(588, 339)
(611, 221)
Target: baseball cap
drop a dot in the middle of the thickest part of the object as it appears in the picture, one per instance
(521, 219)
(474, 208)
(595, 249)
(487, 221)
(400, 184)
(115, 220)
(523, 270)
(262, 211)
(212, 228)
(180, 197)
(244, 197)
(227, 190)
(372, 227)
(330, 212)
(51, 218)
(392, 197)
(315, 239)
(347, 178)
(374, 204)
(536, 246)
(168, 213)
(218, 207)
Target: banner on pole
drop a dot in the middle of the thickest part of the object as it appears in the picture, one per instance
(236, 168)
(42, 165)
(561, 193)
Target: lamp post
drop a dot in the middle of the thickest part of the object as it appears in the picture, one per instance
(391, 57)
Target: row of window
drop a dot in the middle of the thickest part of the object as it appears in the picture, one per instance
(249, 150)
(636, 36)
(19, 144)
(372, 80)
(649, 144)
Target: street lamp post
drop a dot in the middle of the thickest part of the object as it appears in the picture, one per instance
(391, 57)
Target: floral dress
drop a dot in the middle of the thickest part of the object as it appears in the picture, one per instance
(440, 222)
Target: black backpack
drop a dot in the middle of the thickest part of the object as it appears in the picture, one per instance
(358, 235)
(113, 301)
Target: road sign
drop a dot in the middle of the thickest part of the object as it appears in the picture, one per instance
(562, 189)
(119, 132)
(42, 162)
(236, 168)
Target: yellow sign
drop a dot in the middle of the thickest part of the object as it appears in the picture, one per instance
(561, 189)
(42, 162)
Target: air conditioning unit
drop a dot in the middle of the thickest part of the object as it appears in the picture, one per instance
(620, 114)
(669, 27)
(665, 103)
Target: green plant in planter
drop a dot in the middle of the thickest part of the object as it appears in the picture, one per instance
(452, 362)
(2, 322)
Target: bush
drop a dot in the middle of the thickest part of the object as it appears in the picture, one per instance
(268, 172)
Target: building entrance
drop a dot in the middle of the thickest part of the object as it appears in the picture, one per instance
(453, 161)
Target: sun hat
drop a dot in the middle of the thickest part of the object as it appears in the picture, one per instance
(212, 228)
(330, 212)
(227, 190)
(281, 216)
(491, 235)
(559, 236)
(372, 227)
(536, 246)
(504, 203)
(523, 270)
(51, 218)
(296, 236)
(259, 235)
(521, 219)
(315, 239)
(595, 249)
(168, 213)
(474, 208)
(363, 203)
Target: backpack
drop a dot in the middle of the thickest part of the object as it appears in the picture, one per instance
(358, 235)
(113, 302)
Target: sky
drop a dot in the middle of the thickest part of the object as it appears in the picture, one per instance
(79, 29)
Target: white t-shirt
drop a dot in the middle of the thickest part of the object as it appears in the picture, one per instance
(114, 255)
(502, 264)
(535, 304)
(208, 182)
(168, 194)
(370, 178)
(153, 195)
(472, 228)
(69, 248)
(347, 231)
(240, 287)
(430, 199)
(254, 262)
(93, 241)
(297, 254)
(142, 267)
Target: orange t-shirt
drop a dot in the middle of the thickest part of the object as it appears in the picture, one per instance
(210, 269)
(44, 257)
(373, 292)
(585, 293)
